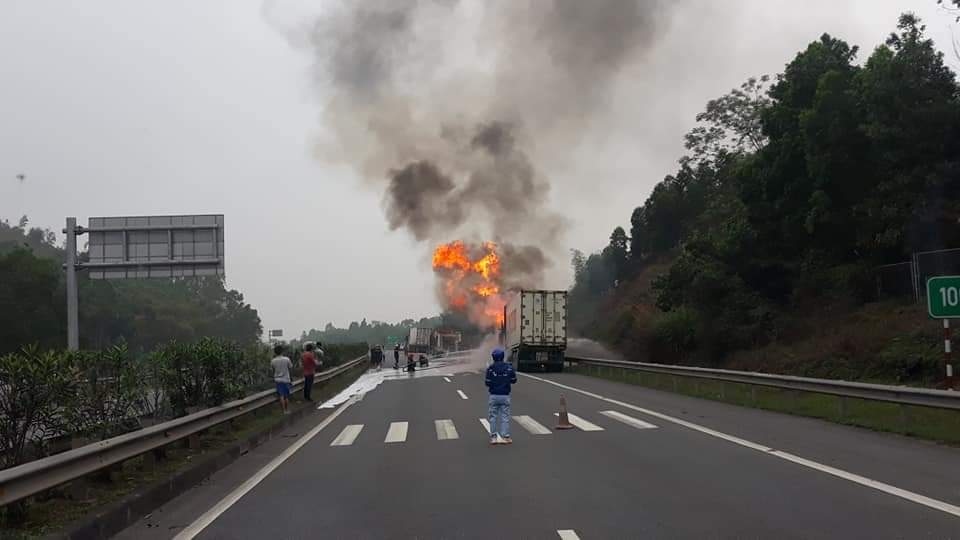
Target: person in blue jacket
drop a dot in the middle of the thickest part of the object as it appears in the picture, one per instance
(500, 376)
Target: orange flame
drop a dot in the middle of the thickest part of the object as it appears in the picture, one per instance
(471, 284)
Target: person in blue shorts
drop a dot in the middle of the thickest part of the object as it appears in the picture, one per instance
(281, 376)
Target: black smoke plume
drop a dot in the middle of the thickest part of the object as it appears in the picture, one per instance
(459, 146)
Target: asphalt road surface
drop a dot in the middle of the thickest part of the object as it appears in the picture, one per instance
(410, 458)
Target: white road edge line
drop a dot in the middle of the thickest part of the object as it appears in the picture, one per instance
(839, 473)
(568, 534)
(397, 432)
(628, 420)
(462, 395)
(224, 504)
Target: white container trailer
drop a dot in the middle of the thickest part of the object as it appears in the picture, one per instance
(536, 329)
(418, 344)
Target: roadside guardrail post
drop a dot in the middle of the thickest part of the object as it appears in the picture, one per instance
(149, 461)
(793, 385)
(841, 408)
(75, 466)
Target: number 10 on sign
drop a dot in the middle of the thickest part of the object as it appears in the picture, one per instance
(943, 297)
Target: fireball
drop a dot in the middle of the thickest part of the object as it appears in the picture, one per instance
(471, 281)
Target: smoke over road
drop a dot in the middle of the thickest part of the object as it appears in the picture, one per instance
(452, 107)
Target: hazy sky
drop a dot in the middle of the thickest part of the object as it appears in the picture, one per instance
(128, 107)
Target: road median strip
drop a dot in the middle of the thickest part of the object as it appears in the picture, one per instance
(139, 484)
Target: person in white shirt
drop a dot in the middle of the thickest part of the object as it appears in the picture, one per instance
(281, 376)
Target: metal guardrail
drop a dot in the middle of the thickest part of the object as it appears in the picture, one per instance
(904, 395)
(22, 481)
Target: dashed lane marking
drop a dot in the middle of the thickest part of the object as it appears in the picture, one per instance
(581, 424)
(628, 420)
(397, 432)
(446, 430)
(348, 435)
(531, 425)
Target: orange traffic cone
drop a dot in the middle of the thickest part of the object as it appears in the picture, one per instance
(563, 422)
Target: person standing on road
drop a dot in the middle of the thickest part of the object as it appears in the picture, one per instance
(281, 375)
(396, 356)
(309, 362)
(318, 352)
(500, 377)
(376, 357)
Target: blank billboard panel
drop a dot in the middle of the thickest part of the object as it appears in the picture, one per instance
(134, 247)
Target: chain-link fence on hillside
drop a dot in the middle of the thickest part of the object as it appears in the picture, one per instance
(909, 278)
(895, 280)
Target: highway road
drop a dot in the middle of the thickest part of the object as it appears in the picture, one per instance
(410, 458)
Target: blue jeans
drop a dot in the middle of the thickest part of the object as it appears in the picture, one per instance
(499, 415)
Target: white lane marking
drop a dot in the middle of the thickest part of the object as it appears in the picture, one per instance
(224, 504)
(568, 534)
(863, 481)
(447, 379)
(628, 420)
(446, 430)
(486, 424)
(397, 432)
(348, 435)
(839, 473)
(580, 423)
(531, 425)
(462, 395)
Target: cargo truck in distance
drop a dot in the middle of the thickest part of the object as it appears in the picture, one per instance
(418, 345)
(535, 330)
(444, 341)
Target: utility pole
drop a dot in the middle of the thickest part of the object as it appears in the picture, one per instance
(73, 317)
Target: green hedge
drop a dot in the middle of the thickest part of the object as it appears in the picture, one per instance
(98, 394)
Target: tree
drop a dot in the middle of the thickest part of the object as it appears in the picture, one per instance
(33, 302)
(731, 124)
(617, 252)
(912, 119)
(775, 183)
(838, 164)
(138, 313)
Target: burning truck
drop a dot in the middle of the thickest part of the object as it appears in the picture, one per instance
(532, 323)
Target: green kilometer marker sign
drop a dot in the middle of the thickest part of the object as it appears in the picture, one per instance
(943, 297)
